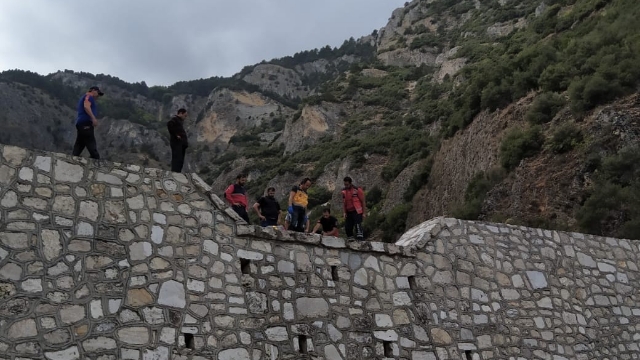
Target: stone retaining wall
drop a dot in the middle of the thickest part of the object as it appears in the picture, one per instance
(506, 292)
(109, 261)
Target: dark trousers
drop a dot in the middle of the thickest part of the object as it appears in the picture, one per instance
(177, 156)
(297, 219)
(353, 220)
(242, 211)
(269, 222)
(85, 138)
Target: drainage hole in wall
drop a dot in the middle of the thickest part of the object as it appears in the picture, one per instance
(302, 344)
(334, 273)
(189, 342)
(388, 349)
(245, 266)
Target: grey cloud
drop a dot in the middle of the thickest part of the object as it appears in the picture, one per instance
(165, 41)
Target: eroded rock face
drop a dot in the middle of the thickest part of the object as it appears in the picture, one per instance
(314, 122)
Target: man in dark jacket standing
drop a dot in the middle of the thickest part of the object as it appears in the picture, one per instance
(179, 142)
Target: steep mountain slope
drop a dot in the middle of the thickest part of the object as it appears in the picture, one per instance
(523, 112)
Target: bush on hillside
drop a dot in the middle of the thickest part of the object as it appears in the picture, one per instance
(565, 138)
(476, 193)
(544, 108)
(614, 200)
(520, 144)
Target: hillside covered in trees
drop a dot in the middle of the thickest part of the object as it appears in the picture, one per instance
(515, 111)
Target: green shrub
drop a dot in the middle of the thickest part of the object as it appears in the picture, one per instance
(395, 222)
(544, 108)
(373, 196)
(520, 144)
(476, 193)
(418, 181)
(565, 138)
(612, 207)
(317, 196)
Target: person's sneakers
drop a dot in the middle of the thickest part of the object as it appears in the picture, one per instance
(350, 238)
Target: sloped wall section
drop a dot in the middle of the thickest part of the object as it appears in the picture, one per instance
(108, 261)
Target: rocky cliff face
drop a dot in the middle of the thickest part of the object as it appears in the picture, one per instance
(349, 112)
(313, 123)
(280, 80)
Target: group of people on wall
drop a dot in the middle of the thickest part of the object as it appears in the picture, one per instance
(296, 217)
(267, 207)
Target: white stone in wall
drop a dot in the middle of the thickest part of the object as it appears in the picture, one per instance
(484, 341)
(517, 281)
(51, 244)
(285, 267)
(32, 285)
(172, 293)
(586, 260)
(9, 200)
(114, 305)
(71, 353)
(84, 229)
(479, 295)
(98, 344)
(233, 354)
(250, 255)
(372, 263)
(184, 209)
(70, 314)
(383, 320)
(140, 251)
(195, 285)
(423, 355)
(15, 240)
(401, 299)
(22, 329)
(621, 277)
(388, 335)
(43, 163)
(96, 309)
(278, 333)
(510, 294)
(288, 311)
(11, 271)
(66, 172)
(330, 352)
(157, 234)
(161, 353)
(360, 277)
(604, 267)
(204, 217)
(159, 218)
(134, 335)
(153, 315)
(210, 247)
(136, 202)
(129, 354)
(168, 335)
(537, 279)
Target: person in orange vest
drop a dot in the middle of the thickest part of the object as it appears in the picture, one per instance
(354, 208)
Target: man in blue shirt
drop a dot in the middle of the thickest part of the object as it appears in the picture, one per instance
(86, 122)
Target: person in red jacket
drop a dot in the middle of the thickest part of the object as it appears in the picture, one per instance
(236, 195)
(354, 208)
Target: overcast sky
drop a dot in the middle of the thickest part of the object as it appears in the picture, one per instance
(164, 41)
